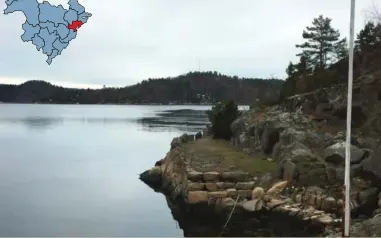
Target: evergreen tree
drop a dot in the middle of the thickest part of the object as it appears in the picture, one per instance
(291, 69)
(320, 44)
(341, 49)
(303, 67)
(368, 37)
(221, 117)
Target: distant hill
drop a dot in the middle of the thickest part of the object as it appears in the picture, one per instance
(193, 87)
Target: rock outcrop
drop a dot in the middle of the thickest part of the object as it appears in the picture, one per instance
(222, 191)
(305, 137)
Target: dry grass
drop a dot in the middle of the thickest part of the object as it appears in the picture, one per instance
(208, 154)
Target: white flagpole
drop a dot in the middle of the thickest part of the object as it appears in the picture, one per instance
(347, 211)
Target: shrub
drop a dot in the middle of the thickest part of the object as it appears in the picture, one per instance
(221, 117)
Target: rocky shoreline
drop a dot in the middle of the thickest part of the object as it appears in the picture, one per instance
(303, 139)
(219, 192)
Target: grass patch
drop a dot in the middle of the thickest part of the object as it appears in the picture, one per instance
(208, 154)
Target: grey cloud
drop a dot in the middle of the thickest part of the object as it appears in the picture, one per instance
(126, 41)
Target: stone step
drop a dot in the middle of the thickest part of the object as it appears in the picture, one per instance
(212, 176)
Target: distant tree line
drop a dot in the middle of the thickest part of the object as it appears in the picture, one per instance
(193, 87)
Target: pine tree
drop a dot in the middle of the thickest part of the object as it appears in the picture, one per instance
(321, 40)
(291, 69)
(303, 67)
(341, 49)
(368, 37)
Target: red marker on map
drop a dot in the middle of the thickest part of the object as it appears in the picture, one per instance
(75, 25)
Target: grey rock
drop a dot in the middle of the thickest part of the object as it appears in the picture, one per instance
(325, 219)
(218, 194)
(212, 187)
(184, 138)
(340, 171)
(368, 228)
(265, 180)
(176, 142)
(244, 193)
(291, 135)
(243, 140)
(373, 163)
(195, 176)
(269, 138)
(234, 176)
(336, 154)
(232, 192)
(257, 193)
(329, 204)
(221, 185)
(211, 176)
(191, 137)
(227, 202)
(195, 197)
(152, 177)
(368, 196)
(245, 185)
(196, 186)
(253, 205)
(360, 183)
(274, 203)
(287, 170)
(277, 151)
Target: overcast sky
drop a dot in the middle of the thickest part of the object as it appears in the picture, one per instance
(126, 41)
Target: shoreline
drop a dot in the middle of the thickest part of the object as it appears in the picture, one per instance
(112, 104)
(191, 187)
(296, 150)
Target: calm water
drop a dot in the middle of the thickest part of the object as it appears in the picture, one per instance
(72, 170)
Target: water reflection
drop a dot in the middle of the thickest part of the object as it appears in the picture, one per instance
(33, 122)
(182, 120)
(170, 120)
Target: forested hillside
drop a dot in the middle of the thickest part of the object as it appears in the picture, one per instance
(194, 87)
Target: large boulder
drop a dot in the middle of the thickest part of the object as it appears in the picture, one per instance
(293, 150)
(305, 136)
(336, 173)
(152, 177)
(291, 135)
(368, 228)
(176, 142)
(277, 188)
(257, 193)
(335, 154)
(372, 164)
(288, 171)
(368, 197)
(299, 164)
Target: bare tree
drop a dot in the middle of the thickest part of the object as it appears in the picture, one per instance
(373, 14)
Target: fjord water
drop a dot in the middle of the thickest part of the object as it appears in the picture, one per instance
(72, 170)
